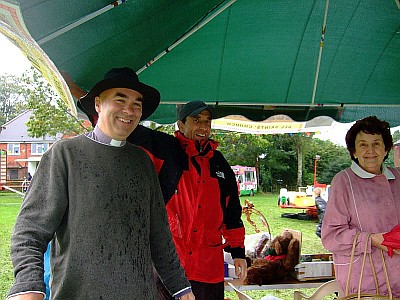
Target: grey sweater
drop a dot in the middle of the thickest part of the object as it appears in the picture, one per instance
(104, 207)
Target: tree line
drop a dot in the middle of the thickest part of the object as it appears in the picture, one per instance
(31, 91)
(284, 160)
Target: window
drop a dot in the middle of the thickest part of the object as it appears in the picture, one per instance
(39, 148)
(13, 149)
(249, 175)
(13, 174)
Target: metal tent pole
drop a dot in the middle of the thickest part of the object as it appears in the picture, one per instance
(321, 46)
(80, 21)
(187, 34)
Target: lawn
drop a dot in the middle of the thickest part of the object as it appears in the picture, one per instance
(9, 206)
(266, 203)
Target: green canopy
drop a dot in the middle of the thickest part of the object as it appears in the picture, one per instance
(256, 58)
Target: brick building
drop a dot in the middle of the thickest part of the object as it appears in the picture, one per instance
(19, 152)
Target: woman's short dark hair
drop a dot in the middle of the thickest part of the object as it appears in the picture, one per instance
(369, 125)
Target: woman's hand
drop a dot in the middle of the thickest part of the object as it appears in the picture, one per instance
(377, 239)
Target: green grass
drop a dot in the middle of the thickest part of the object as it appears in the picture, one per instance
(9, 207)
(266, 203)
(311, 243)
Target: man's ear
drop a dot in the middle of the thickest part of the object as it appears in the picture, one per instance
(97, 104)
(181, 126)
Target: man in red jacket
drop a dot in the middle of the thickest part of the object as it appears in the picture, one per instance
(205, 209)
(201, 198)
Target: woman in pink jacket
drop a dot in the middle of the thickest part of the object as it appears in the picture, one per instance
(365, 199)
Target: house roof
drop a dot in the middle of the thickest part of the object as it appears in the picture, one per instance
(16, 131)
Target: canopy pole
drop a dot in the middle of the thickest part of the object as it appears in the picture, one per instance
(187, 34)
(80, 21)
(321, 46)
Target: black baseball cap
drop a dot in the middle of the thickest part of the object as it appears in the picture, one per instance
(192, 109)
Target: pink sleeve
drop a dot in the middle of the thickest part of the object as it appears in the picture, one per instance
(338, 231)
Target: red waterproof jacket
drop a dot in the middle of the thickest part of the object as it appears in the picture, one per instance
(201, 198)
(205, 209)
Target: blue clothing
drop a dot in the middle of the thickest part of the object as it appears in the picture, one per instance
(47, 276)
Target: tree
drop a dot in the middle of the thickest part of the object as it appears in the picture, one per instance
(12, 97)
(390, 160)
(396, 136)
(51, 115)
(241, 149)
(282, 160)
(333, 158)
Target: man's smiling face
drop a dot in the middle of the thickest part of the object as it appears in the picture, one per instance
(119, 110)
(197, 127)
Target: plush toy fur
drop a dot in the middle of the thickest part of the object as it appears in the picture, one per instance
(264, 271)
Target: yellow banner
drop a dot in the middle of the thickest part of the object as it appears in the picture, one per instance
(241, 124)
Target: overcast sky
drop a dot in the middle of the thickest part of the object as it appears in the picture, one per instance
(12, 61)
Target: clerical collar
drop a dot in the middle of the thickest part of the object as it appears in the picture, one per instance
(100, 137)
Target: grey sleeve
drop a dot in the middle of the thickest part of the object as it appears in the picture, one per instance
(164, 256)
(39, 216)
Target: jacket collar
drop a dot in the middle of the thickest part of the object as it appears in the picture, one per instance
(196, 148)
(364, 174)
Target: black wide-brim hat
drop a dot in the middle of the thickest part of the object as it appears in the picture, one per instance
(121, 78)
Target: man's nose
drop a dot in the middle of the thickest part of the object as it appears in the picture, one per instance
(129, 109)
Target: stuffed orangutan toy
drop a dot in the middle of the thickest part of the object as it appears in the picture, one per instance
(282, 256)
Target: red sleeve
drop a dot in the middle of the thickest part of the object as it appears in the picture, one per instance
(156, 161)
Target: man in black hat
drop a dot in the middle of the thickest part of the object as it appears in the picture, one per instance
(200, 195)
(97, 198)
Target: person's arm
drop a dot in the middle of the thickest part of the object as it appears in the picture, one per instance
(75, 89)
(27, 296)
(163, 253)
(337, 231)
(185, 294)
(336, 235)
(40, 215)
(377, 239)
(188, 296)
(233, 228)
(166, 153)
(240, 268)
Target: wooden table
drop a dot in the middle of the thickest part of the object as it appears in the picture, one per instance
(291, 283)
